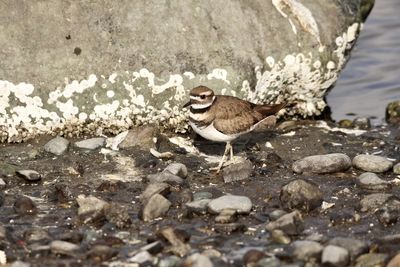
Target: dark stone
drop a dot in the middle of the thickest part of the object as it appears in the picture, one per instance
(100, 253)
(301, 194)
(118, 215)
(24, 206)
(237, 172)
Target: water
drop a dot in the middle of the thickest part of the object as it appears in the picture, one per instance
(371, 78)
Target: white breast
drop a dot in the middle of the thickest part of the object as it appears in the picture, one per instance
(213, 134)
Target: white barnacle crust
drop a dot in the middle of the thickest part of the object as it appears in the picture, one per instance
(114, 102)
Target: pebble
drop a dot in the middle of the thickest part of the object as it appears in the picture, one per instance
(253, 256)
(24, 206)
(57, 146)
(157, 206)
(280, 237)
(387, 215)
(228, 228)
(3, 257)
(202, 195)
(362, 123)
(100, 253)
(185, 196)
(396, 168)
(165, 177)
(372, 163)
(63, 247)
(20, 264)
(63, 193)
(177, 240)
(198, 206)
(306, 250)
(90, 204)
(36, 235)
(376, 201)
(276, 214)
(372, 260)
(117, 215)
(240, 204)
(226, 216)
(29, 175)
(371, 181)
(335, 256)
(394, 262)
(291, 223)
(171, 261)
(392, 114)
(155, 188)
(237, 172)
(177, 169)
(143, 137)
(354, 246)
(329, 163)
(91, 144)
(2, 184)
(141, 257)
(301, 194)
(271, 262)
(197, 260)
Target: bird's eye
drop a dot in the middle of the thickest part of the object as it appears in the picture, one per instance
(202, 96)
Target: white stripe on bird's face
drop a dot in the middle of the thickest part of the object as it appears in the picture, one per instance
(202, 104)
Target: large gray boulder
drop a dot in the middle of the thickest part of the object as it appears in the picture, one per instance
(80, 66)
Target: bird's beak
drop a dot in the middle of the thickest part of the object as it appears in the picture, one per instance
(187, 104)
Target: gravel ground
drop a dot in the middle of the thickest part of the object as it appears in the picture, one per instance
(308, 194)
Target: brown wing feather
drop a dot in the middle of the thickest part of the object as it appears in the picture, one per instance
(239, 115)
(268, 110)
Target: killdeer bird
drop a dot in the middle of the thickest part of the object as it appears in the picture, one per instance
(224, 118)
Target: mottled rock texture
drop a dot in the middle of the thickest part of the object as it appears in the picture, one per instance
(95, 67)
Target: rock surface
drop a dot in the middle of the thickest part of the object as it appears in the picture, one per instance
(240, 204)
(301, 194)
(136, 80)
(372, 163)
(329, 163)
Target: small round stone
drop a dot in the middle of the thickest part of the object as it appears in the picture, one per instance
(372, 163)
(240, 204)
(329, 163)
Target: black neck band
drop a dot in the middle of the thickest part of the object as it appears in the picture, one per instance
(202, 110)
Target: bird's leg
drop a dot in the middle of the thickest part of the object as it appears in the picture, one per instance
(230, 145)
(227, 148)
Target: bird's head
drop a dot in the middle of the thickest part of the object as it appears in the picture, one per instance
(201, 97)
